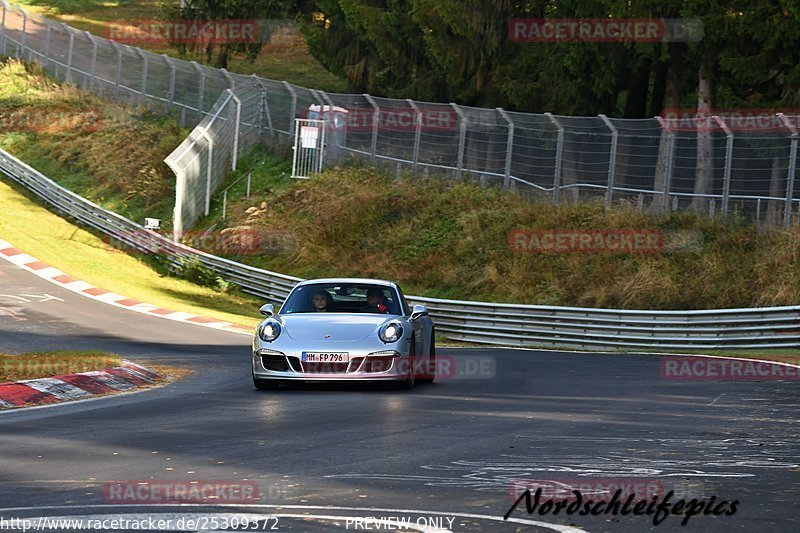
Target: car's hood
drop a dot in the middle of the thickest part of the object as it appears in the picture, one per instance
(332, 326)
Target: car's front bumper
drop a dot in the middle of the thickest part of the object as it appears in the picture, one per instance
(384, 365)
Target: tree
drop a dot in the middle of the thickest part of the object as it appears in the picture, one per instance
(217, 52)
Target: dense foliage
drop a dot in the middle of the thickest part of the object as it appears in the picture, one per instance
(460, 50)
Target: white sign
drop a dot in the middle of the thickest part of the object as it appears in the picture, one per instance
(309, 136)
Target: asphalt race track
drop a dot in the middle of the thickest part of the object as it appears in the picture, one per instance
(447, 455)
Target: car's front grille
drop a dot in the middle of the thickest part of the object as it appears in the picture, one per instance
(380, 363)
(294, 362)
(275, 362)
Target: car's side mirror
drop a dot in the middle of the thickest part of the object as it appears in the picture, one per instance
(267, 310)
(418, 311)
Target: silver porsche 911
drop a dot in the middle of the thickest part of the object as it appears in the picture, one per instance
(344, 329)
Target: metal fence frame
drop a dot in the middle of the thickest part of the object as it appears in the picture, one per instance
(564, 158)
(482, 322)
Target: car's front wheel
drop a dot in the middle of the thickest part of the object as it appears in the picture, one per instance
(410, 376)
(430, 371)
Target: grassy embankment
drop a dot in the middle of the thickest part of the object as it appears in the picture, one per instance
(119, 165)
(284, 57)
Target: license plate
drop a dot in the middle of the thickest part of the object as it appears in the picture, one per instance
(326, 357)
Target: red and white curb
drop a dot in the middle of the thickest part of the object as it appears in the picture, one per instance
(57, 277)
(80, 386)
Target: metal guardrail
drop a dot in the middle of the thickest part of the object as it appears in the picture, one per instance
(482, 322)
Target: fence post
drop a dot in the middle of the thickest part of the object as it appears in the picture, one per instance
(93, 69)
(293, 111)
(726, 182)
(229, 78)
(790, 177)
(417, 133)
(24, 32)
(509, 147)
(235, 128)
(668, 170)
(143, 88)
(264, 106)
(3, 28)
(559, 155)
(171, 65)
(201, 89)
(462, 138)
(376, 116)
(118, 73)
(68, 77)
(46, 59)
(210, 142)
(612, 159)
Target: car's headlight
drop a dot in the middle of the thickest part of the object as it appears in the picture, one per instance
(269, 331)
(390, 332)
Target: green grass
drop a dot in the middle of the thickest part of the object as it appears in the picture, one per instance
(449, 239)
(285, 57)
(55, 363)
(86, 256)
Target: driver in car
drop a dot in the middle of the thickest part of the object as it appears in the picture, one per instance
(376, 302)
(322, 302)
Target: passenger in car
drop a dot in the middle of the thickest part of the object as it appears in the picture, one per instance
(376, 302)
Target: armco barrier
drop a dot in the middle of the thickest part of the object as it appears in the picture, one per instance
(482, 322)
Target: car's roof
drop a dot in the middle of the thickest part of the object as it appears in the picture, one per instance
(350, 280)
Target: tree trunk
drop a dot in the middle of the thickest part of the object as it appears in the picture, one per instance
(638, 87)
(705, 141)
(671, 100)
(777, 182)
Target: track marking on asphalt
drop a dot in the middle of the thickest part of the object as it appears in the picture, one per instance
(555, 527)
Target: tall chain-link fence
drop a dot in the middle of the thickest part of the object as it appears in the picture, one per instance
(725, 166)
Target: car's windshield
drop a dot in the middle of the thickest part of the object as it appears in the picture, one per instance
(343, 298)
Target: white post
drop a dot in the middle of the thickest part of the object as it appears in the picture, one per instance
(3, 28)
(559, 157)
(376, 115)
(293, 111)
(790, 178)
(168, 61)
(726, 182)
(145, 61)
(417, 132)
(236, 128)
(24, 32)
(668, 170)
(612, 159)
(93, 69)
(210, 142)
(69, 53)
(201, 88)
(509, 147)
(462, 138)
